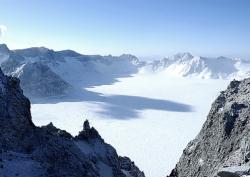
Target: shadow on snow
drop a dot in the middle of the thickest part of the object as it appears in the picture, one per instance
(122, 107)
(118, 106)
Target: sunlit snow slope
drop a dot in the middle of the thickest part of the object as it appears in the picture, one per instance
(186, 65)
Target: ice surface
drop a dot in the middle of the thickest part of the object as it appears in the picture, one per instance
(148, 117)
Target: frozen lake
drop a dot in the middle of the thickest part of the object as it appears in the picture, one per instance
(147, 117)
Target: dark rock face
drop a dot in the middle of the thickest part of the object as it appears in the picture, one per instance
(227, 174)
(10, 60)
(30, 151)
(39, 80)
(224, 138)
(131, 168)
(88, 132)
(15, 120)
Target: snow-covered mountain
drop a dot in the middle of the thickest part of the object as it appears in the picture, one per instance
(44, 72)
(185, 64)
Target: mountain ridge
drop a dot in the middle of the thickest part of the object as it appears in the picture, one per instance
(67, 69)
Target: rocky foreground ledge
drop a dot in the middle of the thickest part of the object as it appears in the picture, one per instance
(222, 148)
(30, 151)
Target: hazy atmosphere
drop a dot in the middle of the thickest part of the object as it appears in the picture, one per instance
(143, 28)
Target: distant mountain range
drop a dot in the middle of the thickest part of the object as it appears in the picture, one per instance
(185, 64)
(44, 72)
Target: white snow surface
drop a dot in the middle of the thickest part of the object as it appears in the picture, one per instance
(234, 169)
(149, 117)
(184, 64)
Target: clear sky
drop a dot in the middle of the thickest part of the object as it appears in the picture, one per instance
(140, 27)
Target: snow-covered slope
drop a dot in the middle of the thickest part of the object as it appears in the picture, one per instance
(44, 72)
(39, 80)
(184, 64)
(67, 69)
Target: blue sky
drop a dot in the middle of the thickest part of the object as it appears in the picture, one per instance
(141, 27)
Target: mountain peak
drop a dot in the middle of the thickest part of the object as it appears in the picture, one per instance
(222, 58)
(35, 51)
(68, 53)
(183, 56)
(4, 48)
(127, 56)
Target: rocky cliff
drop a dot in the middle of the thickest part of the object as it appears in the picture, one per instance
(30, 151)
(222, 146)
(44, 72)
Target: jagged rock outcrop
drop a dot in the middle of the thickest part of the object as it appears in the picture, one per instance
(30, 151)
(224, 139)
